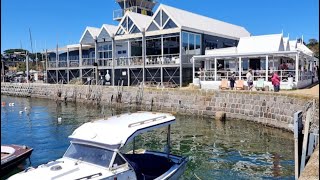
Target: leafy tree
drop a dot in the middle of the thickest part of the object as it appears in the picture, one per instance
(313, 45)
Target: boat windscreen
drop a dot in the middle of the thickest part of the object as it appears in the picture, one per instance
(90, 154)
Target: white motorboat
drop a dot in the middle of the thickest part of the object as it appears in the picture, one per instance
(94, 152)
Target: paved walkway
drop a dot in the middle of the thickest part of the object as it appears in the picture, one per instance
(313, 91)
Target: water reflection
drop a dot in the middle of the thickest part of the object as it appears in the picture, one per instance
(216, 150)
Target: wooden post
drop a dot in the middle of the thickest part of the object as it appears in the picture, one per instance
(305, 140)
(297, 128)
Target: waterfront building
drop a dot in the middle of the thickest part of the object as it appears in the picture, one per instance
(155, 48)
(291, 60)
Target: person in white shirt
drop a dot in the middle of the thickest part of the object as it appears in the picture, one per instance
(249, 79)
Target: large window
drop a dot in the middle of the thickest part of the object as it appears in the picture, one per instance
(171, 45)
(136, 48)
(105, 50)
(153, 46)
(191, 43)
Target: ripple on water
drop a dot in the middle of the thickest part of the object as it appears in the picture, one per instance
(233, 149)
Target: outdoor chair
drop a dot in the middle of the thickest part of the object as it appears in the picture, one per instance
(224, 84)
(239, 85)
(260, 84)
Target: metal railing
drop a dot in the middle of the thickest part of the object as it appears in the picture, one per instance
(209, 75)
(105, 62)
(118, 14)
(52, 64)
(74, 63)
(88, 61)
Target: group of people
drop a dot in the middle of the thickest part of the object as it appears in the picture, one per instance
(275, 79)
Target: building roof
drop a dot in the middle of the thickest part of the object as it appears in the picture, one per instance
(286, 44)
(191, 21)
(304, 49)
(263, 43)
(293, 44)
(90, 31)
(117, 130)
(140, 20)
(111, 29)
(222, 51)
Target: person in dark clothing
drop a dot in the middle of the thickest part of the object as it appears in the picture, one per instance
(232, 81)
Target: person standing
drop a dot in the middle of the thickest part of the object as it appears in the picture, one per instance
(275, 82)
(249, 79)
(232, 81)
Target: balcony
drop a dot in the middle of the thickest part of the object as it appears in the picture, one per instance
(118, 14)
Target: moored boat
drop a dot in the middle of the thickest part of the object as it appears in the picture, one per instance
(95, 152)
(12, 156)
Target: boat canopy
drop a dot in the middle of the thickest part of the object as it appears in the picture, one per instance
(116, 131)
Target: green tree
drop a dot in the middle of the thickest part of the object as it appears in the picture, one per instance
(313, 45)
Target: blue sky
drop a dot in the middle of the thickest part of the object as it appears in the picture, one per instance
(64, 20)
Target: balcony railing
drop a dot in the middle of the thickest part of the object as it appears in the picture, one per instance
(63, 64)
(105, 62)
(118, 14)
(209, 75)
(52, 64)
(88, 61)
(74, 63)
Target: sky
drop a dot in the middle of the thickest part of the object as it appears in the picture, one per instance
(64, 21)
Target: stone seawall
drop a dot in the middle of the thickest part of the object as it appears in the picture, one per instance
(273, 109)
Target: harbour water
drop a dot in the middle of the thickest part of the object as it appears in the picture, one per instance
(234, 149)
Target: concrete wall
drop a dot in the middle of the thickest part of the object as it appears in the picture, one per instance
(273, 109)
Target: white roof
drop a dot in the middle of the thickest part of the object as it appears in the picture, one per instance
(117, 130)
(304, 49)
(111, 29)
(293, 44)
(140, 20)
(222, 51)
(286, 44)
(263, 43)
(191, 21)
(92, 30)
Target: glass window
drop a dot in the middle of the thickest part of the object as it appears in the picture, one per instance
(191, 41)
(198, 44)
(90, 154)
(124, 23)
(157, 18)
(105, 47)
(101, 55)
(170, 24)
(106, 55)
(130, 23)
(120, 31)
(152, 27)
(110, 46)
(135, 30)
(185, 42)
(118, 161)
(164, 17)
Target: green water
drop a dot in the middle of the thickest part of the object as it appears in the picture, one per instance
(235, 149)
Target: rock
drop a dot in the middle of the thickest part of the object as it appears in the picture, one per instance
(220, 115)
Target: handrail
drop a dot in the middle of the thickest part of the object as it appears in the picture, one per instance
(147, 121)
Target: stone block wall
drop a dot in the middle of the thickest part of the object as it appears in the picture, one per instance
(273, 109)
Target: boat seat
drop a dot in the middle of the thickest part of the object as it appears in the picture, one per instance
(148, 166)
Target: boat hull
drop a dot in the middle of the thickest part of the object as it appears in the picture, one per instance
(11, 161)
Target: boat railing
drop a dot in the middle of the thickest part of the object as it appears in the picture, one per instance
(147, 121)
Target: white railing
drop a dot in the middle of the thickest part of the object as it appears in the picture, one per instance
(209, 75)
(165, 59)
(63, 64)
(118, 14)
(88, 61)
(105, 62)
(74, 63)
(52, 64)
